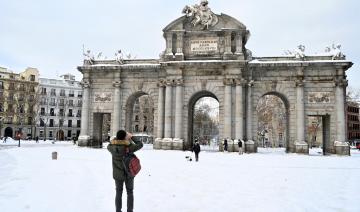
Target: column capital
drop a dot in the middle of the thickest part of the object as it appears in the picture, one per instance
(179, 82)
(169, 82)
(341, 82)
(250, 83)
(85, 83)
(228, 81)
(117, 83)
(161, 83)
(299, 83)
(241, 82)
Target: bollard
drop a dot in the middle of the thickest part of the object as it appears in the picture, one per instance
(54, 155)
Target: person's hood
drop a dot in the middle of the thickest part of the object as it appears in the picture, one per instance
(120, 142)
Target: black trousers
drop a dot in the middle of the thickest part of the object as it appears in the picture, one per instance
(129, 183)
(197, 156)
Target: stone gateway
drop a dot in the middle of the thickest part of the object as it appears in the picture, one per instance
(206, 56)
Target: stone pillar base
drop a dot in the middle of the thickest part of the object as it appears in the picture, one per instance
(167, 144)
(157, 143)
(301, 148)
(342, 148)
(83, 140)
(178, 144)
(179, 56)
(250, 146)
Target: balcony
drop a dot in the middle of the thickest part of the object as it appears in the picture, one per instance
(78, 115)
(70, 115)
(52, 104)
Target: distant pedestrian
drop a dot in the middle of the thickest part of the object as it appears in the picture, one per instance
(37, 139)
(225, 145)
(5, 139)
(240, 147)
(196, 148)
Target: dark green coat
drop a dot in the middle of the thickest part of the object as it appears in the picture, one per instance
(117, 149)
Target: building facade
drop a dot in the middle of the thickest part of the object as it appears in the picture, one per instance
(143, 116)
(353, 122)
(18, 102)
(206, 56)
(59, 109)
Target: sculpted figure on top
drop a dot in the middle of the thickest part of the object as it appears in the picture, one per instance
(201, 14)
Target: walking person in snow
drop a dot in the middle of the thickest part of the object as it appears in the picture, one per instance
(225, 145)
(118, 148)
(196, 148)
(240, 147)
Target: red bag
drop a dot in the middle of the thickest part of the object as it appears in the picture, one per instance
(131, 164)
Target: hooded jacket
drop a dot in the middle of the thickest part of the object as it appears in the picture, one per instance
(117, 148)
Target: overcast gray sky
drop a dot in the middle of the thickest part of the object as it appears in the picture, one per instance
(49, 35)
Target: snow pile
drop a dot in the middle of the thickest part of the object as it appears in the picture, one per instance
(81, 180)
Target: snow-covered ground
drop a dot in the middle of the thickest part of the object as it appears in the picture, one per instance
(81, 181)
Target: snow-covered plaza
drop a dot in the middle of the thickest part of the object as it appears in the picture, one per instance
(271, 180)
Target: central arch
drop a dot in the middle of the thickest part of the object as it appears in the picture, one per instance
(144, 117)
(9, 132)
(286, 104)
(192, 103)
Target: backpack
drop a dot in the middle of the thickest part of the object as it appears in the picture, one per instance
(131, 164)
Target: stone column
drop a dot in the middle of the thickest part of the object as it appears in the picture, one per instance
(168, 37)
(340, 110)
(116, 119)
(239, 110)
(179, 51)
(178, 109)
(249, 112)
(300, 111)
(160, 120)
(239, 43)
(300, 145)
(227, 44)
(168, 104)
(341, 147)
(227, 108)
(84, 133)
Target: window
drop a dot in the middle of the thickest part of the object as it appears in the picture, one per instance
(71, 103)
(61, 122)
(52, 102)
(51, 124)
(62, 92)
(52, 112)
(69, 134)
(70, 113)
(50, 134)
(21, 109)
(31, 109)
(42, 111)
(174, 43)
(78, 123)
(80, 94)
(78, 114)
(136, 128)
(30, 120)
(71, 93)
(41, 133)
(31, 98)
(136, 118)
(1, 107)
(61, 112)
(69, 123)
(43, 91)
(53, 92)
(79, 104)
(145, 128)
(21, 97)
(22, 87)
(10, 108)
(12, 86)
(32, 78)
(32, 89)
(62, 102)
(43, 101)
(1, 85)
(42, 123)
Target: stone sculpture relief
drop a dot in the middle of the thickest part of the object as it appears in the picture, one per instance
(319, 97)
(102, 97)
(201, 14)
